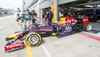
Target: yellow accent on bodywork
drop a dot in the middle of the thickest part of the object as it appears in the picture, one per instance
(12, 36)
(62, 20)
(53, 34)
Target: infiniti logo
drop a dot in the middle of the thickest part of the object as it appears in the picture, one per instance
(68, 28)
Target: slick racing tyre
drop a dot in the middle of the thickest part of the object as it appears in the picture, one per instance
(87, 27)
(33, 39)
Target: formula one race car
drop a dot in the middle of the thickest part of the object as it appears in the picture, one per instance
(69, 25)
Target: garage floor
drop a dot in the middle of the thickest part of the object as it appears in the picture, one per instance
(74, 45)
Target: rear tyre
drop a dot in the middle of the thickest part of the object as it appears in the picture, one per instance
(33, 39)
(87, 27)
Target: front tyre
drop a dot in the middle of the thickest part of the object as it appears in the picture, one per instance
(87, 27)
(33, 39)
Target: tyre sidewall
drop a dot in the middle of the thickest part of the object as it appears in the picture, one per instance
(27, 39)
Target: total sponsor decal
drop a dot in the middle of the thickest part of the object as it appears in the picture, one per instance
(13, 46)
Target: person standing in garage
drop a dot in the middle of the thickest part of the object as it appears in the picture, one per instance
(44, 16)
(18, 14)
(33, 16)
(49, 16)
(25, 18)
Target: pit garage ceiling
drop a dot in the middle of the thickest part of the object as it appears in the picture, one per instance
(48, 3)
(83, 4)
(78, 5)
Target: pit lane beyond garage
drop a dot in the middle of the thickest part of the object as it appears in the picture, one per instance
(74, 45)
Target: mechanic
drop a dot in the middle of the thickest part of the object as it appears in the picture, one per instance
(18, 14)
(44, 16)
(25, 19)
(33, 16)
(49, 16)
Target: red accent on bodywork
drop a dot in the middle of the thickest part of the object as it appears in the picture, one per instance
(18, 34)
(70, 19)
(85, 20)
(44, 29)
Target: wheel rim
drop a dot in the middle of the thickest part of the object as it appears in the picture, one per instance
(33, 39)
(89, 27)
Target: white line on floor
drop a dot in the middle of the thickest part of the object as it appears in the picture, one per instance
(46, 51)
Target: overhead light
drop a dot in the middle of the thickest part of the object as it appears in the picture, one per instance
(98, 5)
(88, 5)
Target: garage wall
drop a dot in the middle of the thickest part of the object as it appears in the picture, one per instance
(27, 3)
(45, 4)
(42, 4)
(34, 7)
